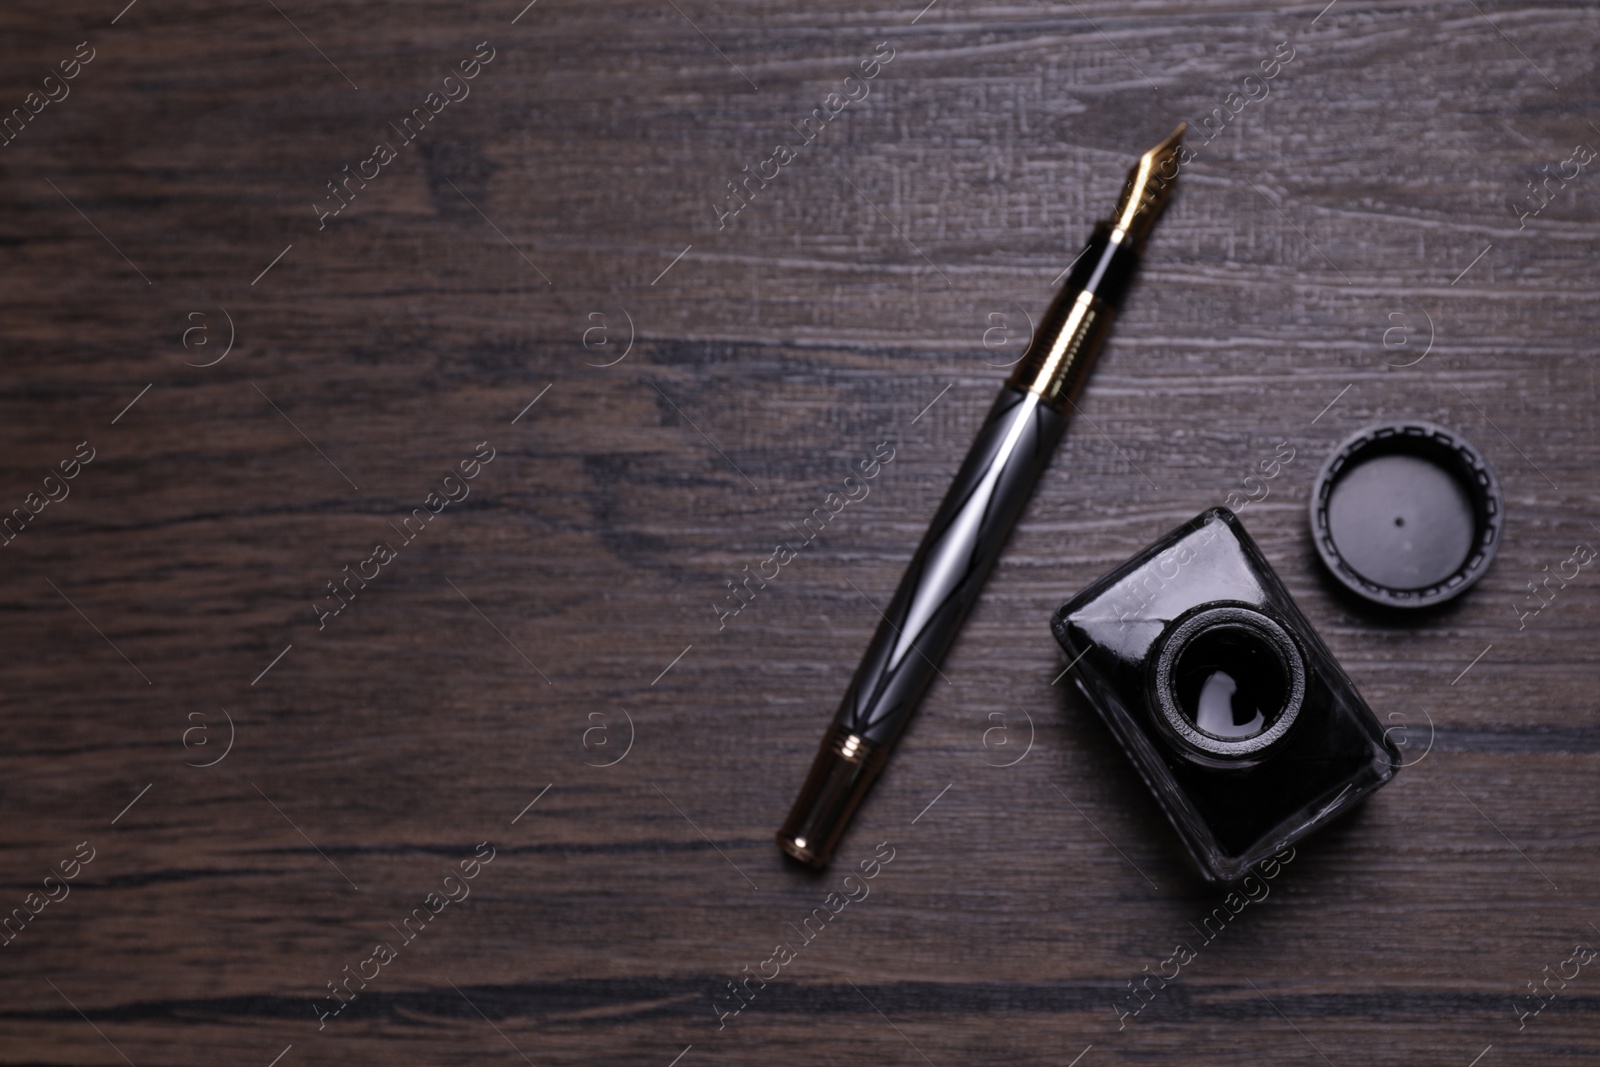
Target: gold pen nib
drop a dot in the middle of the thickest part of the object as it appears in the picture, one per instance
(1149, 186)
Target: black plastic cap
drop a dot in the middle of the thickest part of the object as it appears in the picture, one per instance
(1407, 514)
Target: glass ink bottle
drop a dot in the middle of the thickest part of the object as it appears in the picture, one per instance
(1233, 710)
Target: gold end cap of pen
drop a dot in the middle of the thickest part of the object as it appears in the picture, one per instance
(1149, 187)
(843, 771)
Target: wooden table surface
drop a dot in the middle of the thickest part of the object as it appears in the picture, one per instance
(220, 797)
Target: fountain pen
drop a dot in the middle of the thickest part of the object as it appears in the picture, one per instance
(988, 495)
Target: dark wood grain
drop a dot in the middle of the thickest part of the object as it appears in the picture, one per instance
(501, 655)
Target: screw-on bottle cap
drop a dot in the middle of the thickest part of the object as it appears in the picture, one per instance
(1407, 514)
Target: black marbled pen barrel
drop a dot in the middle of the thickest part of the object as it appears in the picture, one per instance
(972, 525)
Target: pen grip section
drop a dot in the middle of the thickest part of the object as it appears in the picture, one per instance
(1069, 337)
(945, 576)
